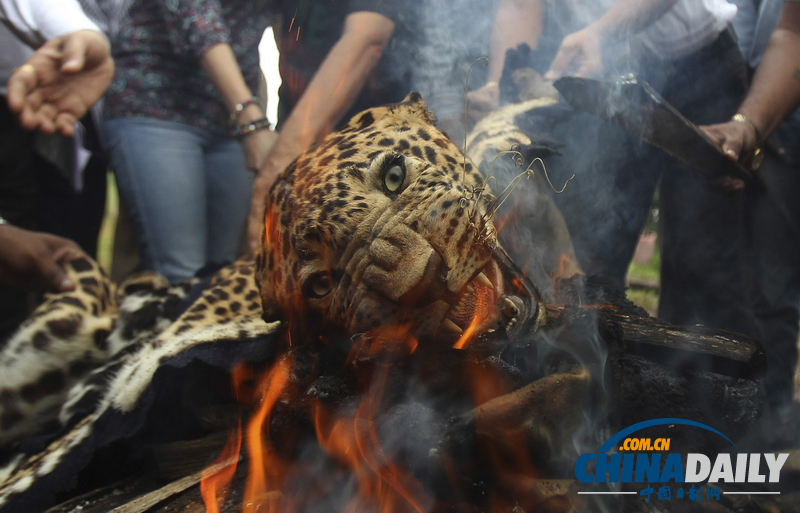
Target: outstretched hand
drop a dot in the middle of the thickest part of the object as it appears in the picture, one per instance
(580, 55)
(33, 260)
(61, 81)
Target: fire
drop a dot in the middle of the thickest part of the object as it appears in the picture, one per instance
(360, 472)
(217, 476)
(567, 268)
(483, 309)
(264, 468)
(355, 444)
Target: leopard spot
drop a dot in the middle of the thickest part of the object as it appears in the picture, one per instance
(50, 383)
(64, 328)
(10, 419)
(41, 340)
(81, 265)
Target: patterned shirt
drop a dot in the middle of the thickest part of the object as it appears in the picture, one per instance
(158, 51)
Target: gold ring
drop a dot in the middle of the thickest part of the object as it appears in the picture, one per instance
(26, 67)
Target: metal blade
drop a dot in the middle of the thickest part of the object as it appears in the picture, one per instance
(634, 105)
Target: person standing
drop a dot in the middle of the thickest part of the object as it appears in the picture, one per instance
(183, 127)
(770, 113)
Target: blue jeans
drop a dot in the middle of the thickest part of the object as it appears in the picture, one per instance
(187, 191)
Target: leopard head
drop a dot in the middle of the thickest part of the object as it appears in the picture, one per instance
(385, 222)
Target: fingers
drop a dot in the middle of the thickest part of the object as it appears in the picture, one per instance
(254, 225)
(54, 277)
(729, 184)
(65, 124)
(732, 139)
(62, 251)
(255, 218)
(732, 148)
(22, 82)
(560, 64)
(74, 53)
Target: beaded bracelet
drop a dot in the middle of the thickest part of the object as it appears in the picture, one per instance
(255, 100)
(247, 128)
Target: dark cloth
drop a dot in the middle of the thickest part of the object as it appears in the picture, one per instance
(157, 55)
(704, 273)
(17, 205)
(35, 195)
(773, 213)
(311, 28)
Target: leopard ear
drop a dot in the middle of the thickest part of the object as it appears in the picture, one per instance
(414, 104)
(413, 107)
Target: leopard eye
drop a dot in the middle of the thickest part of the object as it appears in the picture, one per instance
(394, 175)
(319, 285)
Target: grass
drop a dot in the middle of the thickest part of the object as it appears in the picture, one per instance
(646, 298)
(105, 241)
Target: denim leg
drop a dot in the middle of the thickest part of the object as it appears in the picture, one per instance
(159, 169)
(230, 184)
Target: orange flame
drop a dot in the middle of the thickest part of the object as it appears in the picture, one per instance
(263, 465)
(566, 268)
(217, 476)
(483, 309)
(354, 443)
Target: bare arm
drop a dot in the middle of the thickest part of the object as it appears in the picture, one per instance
(580, 52)
(331, 92)
(220, 64)
(515, 22)
(775, 91)
(774, 94)
(334, 87)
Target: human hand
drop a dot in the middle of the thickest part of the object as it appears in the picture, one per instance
(258, 143)
(580, 55)
(482, 101)
(33, 260)
(256, 147)
(738, 142)
(258, 203)
(61, 81)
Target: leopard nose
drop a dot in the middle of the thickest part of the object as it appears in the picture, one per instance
(405, 268)
(431, 286)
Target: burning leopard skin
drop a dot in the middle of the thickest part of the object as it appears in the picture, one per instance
(377, 224)
(385, 221)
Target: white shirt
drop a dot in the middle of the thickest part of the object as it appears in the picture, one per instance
(29, 23)
(36, 21)
(687, 26)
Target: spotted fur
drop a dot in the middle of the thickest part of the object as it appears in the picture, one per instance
(340, 248)
(332, 221)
